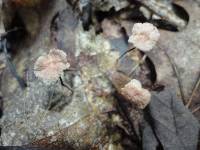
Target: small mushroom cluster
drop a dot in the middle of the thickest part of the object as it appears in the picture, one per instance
(144, 37)
(134, 92)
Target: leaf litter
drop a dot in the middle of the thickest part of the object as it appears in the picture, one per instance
(97, 116)
(169, 123)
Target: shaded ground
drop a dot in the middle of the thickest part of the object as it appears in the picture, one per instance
(94, 35)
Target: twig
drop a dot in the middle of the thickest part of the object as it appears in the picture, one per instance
(193, 92)
(174, 67)
(196, 109)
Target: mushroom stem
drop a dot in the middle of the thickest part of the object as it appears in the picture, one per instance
(193, 93)
(138, 64)
(125, 53)
(65, 85)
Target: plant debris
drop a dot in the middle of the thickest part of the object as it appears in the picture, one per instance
(116, 71)
(169, 124)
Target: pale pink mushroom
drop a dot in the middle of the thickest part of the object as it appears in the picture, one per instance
(144, 36)
(134, 92)
(51, 66)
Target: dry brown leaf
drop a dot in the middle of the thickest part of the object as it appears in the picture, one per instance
(183, 49)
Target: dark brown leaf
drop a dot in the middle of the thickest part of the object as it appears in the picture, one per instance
(169, 124)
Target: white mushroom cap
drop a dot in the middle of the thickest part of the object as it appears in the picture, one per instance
(134, 83)
(144, 36)
(134, 92)
(51, 66)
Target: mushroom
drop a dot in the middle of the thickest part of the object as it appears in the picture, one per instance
(144, 36)
(134, 92)
(50, 67)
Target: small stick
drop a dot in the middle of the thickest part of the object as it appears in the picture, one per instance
(193, 92)
(196, 109)
(177, 75)
(178, 78)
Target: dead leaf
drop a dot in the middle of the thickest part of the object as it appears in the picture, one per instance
(164, 9)
(169, 124)
(183, 48)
